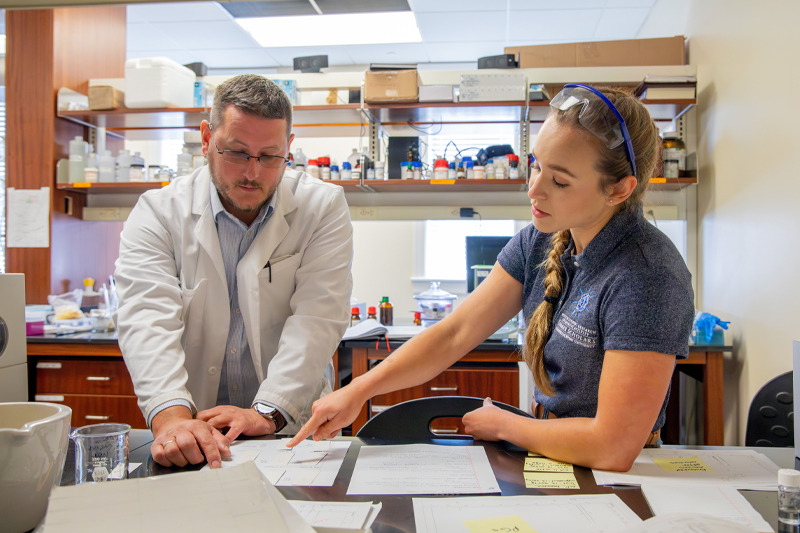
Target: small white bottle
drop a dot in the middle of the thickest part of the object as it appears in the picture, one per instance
(380, 170)
(78, 149)
(489, 169)
(90, 171)
(353, 158)
(347, 172)
(106, 167)
(789, 496)
(124, 160)
(185, 162)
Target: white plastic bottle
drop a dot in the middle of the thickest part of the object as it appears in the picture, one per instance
(300, 160)
(106, 167)
(137, 168)
(78, 149)
(489, 169)
(354, 158)
(789, 497)
(124, 161)
(185, 162)
(90, 171)
(380, 170)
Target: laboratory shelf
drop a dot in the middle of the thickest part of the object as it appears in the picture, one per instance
(448, 113)
(348, 185)
(459, 185)
(112, 188)
(670, 184)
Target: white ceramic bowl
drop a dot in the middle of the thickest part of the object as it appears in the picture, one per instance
(33, 444)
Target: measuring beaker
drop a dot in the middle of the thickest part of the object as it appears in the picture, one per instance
(101, 452)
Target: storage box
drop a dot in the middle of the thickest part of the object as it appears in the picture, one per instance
(627, 53)
(391, 86)
(158, 82)
(102, 97)
(437, 93)
(290, 88)
(492, 87)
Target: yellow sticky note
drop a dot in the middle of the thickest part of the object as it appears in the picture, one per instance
(682, 464)
(504, 524)
(543, 464)
(550, 480)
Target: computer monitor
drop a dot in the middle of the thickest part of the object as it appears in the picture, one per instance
(482, 251)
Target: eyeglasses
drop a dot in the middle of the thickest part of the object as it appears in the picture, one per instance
(609, 127)
(242, 158)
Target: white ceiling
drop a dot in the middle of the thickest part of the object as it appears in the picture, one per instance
(452, 31)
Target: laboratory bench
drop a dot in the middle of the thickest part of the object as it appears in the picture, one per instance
(86, 372)
(506, 460)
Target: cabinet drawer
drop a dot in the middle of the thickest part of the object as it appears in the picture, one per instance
(93, 409)
(81, 376)
(500, 384)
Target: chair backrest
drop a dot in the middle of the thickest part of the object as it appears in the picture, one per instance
(770, 421)
(411, 421)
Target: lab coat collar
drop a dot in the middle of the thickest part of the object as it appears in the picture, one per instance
(206, 229)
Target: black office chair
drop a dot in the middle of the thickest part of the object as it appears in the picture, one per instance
(770, 421)
(411, 421)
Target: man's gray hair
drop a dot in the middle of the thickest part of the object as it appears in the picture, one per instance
(254, 95)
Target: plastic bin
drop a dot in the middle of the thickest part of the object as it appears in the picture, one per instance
(158, 82)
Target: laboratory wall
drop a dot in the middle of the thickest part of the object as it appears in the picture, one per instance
(748, 71)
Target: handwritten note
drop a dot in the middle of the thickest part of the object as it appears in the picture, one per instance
(683, 464)
(503, 524)
(28, 218)
(550, 480)
(544, 464)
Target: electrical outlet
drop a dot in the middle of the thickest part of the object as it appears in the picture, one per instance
(454, 212)
(367, 213)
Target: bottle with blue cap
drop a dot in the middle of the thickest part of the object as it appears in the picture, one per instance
(347, 172)
(489, 169)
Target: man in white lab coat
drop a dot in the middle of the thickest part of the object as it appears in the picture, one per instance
(234, 285)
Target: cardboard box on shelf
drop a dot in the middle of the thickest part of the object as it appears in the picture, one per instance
(104, 97)
(389, 86)
(627, 53)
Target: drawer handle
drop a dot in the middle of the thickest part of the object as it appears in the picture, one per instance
(439, 389)
(98, 378)
(48, 398)
(97, 417)
(444, 430)
(44, 365)
(379, 408)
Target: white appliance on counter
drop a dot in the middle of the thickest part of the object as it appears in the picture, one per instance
(13, 343)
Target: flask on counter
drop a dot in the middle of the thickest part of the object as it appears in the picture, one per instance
(387, 312)
(372, 313)
(355, 316)
(513, 167)
(673, 154)
(789, 496)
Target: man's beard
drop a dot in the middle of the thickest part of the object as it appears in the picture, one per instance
(223, 191)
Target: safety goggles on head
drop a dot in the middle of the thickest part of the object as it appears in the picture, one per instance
(610, 128)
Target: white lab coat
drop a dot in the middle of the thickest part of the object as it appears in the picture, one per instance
(174, 310)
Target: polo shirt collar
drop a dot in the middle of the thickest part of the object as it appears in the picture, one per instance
(606, 240)
(217, 207)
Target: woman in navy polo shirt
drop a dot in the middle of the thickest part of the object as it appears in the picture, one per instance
(607, 298)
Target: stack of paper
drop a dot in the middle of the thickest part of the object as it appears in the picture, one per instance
(543, 473)
(422, 469)
(740, 469)
(586, 513)
(310, 463)
(689, 523)
(719, 502)
(327, 516)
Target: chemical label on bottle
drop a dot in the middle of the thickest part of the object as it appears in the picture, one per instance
(675, 154)
(671, 169)
(76, 158)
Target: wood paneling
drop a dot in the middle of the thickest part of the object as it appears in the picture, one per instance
(82, 376)
(90, 409)
(48, 49)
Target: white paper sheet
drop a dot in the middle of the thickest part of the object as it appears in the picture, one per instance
(742, 469)
(343, 515)
(303, 465)
(227, 499)
(590, 513)
(720, 502)
(688, 523)
(422, 469)
(28, 224)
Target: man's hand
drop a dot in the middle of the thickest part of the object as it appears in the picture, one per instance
(240, 421)
(177, 437)
(484, 423)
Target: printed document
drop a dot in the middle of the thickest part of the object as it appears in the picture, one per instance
(741, 469)
(341, 515)
(688, 523)
(720, 502)
(422, 469)
(586, 513)
(28, 224)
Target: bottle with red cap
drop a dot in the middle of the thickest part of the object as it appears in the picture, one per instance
(324, 164)
(355, 316)
(417, 318)
(513, 166)
(313, 168)
(372, 313)
(440, 169)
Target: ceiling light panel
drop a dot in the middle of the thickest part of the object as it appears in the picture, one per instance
(334, 7)
(283, 8)
(176, 12)
(321, 30)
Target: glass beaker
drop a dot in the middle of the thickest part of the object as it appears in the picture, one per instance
(101, 453)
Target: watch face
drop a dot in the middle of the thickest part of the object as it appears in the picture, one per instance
(265, 410)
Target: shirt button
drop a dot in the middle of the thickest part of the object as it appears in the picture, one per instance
(235, 387)
(233, 350)
(248, 233)
(212, 371)
(576, 263)
(237, 311)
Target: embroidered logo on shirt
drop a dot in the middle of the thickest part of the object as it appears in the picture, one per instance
(582, 303)
(574, 332)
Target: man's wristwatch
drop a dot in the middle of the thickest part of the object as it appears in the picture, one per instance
(271, 413)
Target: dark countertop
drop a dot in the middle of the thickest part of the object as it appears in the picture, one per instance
(84, 337)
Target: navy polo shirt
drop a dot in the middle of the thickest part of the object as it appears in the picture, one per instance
(628, 290)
